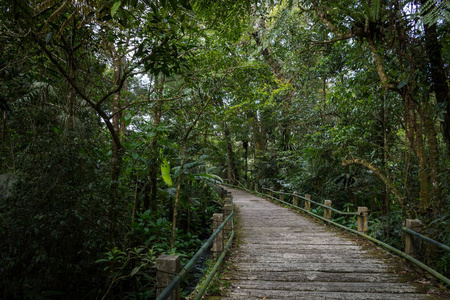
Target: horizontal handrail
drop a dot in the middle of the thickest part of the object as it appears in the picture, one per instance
(280, 192)
(214, 269)
(191, 263)
(348, 213)
(425, 238)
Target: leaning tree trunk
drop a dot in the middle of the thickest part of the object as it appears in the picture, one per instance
(387, 182)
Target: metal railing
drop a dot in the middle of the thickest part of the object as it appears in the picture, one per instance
(166, 293)
(427, 239)
(348, 213)
(386, 246)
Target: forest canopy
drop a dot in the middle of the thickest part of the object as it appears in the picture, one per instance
(120, 118)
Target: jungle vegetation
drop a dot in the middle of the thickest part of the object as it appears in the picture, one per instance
(120, 117)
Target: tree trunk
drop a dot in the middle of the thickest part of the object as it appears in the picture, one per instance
(387, 198)
(324, 99)
(424, 177)
(414, 126)
(155, 149)
(232, 171)
(177, 199)
(116, 149)
(70, 103)
(123, 128)
(116, 168)
(245, 146)
(433, 158)
(433, 49)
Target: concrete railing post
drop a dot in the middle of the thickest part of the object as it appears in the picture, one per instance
(227, 200)
(413, 243)
(327, 211)
(307, 203)
(281, 195)
(363, 213)
(167, 266)
(227, 228)
(295, 199)
(218, 240)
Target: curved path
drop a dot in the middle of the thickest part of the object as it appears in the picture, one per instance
(284, 255)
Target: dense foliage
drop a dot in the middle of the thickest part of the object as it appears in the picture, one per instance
(119, 118)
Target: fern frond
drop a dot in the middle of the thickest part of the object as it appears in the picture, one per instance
(433, 10)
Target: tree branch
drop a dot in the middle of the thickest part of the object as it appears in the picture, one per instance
(324, 19)
(380, 66)
(383, 178)
(100, 112)
(341, 37)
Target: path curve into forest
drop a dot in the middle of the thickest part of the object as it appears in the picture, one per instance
(280, 254)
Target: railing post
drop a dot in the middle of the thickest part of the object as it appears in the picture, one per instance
(363, 213)
(307, 203)
(227, 199)
(327, 211)
(167, 266)
(271, 193)
(281, 195)
(412, 243)
(218, 240)
(227, 228)
(295, 199)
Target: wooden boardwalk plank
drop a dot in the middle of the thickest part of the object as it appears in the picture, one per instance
(284, 255)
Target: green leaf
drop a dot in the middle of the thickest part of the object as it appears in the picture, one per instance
(114, 8)
(403, 83)
(135, 270)
(165, 172)
(48, 37)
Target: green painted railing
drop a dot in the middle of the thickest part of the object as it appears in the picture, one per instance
(425, 238)
(350, 213)
(386, 246)
(206, 283)
(191, 263)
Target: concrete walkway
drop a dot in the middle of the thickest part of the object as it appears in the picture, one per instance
(284, 255)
